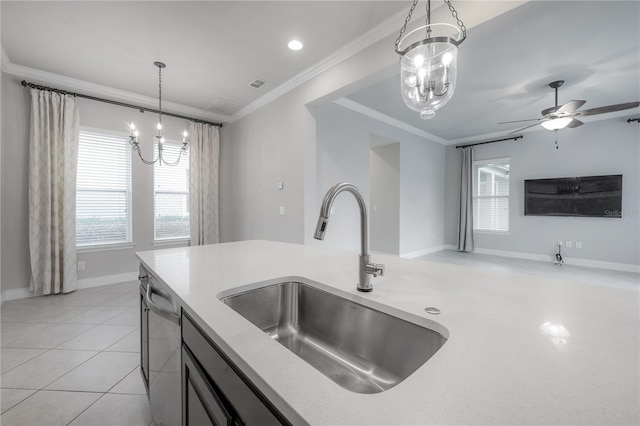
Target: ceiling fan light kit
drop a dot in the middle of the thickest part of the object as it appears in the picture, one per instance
(556, 123)
(429, 61)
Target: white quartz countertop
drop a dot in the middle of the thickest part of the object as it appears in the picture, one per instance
(497, 367)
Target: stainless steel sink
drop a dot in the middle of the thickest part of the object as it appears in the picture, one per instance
(361, 349)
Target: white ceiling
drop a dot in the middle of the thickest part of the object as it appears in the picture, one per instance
(506, 64)
(213, 49)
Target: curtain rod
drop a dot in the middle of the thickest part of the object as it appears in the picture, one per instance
(122, 104)
(497, 140)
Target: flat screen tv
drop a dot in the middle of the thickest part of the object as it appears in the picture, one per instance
(586, 196)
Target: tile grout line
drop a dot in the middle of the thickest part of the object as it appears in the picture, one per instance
(47, 325)
(19, 402)
(89, 406)
(125, 376)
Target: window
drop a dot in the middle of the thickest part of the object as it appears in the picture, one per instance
(103, 193)
(491, 195)
(171, 194)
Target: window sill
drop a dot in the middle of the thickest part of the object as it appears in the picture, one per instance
(173, 242)
(104, 247)
(489, 231)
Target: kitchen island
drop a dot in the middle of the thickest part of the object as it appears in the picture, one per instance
(521, 349)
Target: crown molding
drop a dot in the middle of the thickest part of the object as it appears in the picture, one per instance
(374, 35)
(377, 115)
(99, 90)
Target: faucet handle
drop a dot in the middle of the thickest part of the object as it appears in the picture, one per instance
(376, 269)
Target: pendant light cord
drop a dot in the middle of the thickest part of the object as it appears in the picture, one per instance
(160, 94)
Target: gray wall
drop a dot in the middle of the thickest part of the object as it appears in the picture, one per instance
(257, 152)
(15, 245)
(343, 143)
(384, 180)
(597, 148)
(422, 195)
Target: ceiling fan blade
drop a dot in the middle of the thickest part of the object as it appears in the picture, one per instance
(570, 107)
(574, 123)
(608, 108)
(519, 130)
(521, 121)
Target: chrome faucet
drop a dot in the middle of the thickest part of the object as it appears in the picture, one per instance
(366, 268)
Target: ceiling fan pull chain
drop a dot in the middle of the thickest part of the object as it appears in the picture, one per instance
(556, 132)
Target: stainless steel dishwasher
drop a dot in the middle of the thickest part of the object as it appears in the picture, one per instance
(161, 335)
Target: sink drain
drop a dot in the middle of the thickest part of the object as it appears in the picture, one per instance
(431, 310)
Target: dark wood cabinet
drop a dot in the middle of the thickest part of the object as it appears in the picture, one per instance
(201, 404)
(214, 390)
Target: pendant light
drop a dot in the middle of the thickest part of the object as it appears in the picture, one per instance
(133, 138)
(428, 62)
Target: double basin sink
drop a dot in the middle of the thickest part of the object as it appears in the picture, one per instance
(360, 348)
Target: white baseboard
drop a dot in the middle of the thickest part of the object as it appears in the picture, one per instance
(15, 293)
(24, 292)
(418, 253)
(107, 279)
(624, 267)
(514, 254)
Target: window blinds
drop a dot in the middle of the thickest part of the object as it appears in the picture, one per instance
(171, 194)
(103, 194)
(491, 195)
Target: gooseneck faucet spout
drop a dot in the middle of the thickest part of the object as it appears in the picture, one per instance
(366, 267)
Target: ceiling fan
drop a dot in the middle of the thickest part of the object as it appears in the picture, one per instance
(561, 116)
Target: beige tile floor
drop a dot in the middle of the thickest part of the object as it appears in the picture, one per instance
(73, 359)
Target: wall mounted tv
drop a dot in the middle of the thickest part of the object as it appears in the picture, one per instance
(587, 196)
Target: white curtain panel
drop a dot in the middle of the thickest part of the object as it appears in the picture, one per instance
(53, 161)
(204, 163)
(465, 217)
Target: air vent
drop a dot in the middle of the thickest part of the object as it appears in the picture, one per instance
(257, 83)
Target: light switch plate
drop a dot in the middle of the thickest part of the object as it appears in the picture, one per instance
(281, 210)
(569, 244)
(578, 244)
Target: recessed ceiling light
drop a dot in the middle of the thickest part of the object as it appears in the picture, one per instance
(295, 45)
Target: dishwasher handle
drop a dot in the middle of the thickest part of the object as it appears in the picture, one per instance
(172, 316)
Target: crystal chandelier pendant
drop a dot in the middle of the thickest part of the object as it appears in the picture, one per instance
(428, 67)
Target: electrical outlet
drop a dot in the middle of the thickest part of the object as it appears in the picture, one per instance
(81, 265)
(578, 244)
(279, 185)
(569, 244)
(281, 210)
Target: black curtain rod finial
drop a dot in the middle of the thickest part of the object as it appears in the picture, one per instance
(633, 119)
